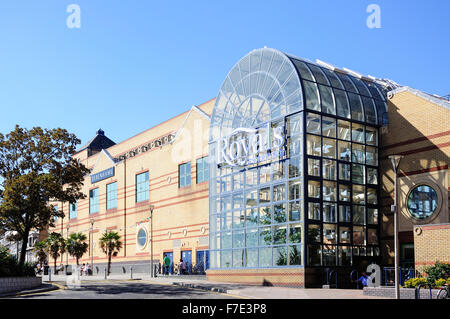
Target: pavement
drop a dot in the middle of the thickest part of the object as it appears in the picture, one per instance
(226, 289)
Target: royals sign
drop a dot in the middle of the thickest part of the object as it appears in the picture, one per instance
(246, 146)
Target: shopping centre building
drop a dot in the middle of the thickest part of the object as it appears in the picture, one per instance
(284, 174)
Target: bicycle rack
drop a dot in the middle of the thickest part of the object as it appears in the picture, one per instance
(417, 292)
(330, 276)
(351, 278)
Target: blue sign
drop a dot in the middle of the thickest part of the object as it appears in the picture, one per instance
(102, 175)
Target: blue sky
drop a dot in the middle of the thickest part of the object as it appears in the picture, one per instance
(134, 64)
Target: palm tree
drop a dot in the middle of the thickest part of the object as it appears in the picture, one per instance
(110, 244)
(76, 245)
(40, 250)
(55, 246)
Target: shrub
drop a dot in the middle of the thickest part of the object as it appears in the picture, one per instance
(437, 271)
(414, 282)
(9, 267)
(440, 282)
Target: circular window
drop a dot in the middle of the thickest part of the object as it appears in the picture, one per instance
(142, 237)
(422, 202)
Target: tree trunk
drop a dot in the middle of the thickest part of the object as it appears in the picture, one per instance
(23, 250)
(54, 259)
(109, 262)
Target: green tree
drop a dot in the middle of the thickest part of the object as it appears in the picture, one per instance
(36, 166)
(55, 247)
(40, 250)
(76, 245)
(110, 244)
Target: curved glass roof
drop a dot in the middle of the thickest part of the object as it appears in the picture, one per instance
(267, 84)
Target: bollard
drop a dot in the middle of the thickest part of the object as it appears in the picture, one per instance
(49, 274)
(131, 272)
(105, 272)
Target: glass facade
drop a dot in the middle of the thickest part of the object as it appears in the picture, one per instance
(314, 203)
(94, 201)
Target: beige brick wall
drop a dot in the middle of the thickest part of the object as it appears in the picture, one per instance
(431, 244)
(180, 213)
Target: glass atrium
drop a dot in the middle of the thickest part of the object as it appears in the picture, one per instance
(316, 202)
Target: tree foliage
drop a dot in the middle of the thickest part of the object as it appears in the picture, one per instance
(76, 245)
(37, 166)
(110, 244)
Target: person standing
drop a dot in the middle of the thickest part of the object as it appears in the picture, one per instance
(166, 262)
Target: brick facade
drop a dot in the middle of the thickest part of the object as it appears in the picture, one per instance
(431, 244)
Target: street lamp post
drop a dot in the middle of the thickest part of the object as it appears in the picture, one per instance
(92, 245)
(151, 240)
(395, 161)
(67, 252)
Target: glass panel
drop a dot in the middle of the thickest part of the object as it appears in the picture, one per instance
(265, 257)
(238, 201)
(313, 145)
(329, 127)
(329, 233)
(372, 196)
(335, 82)
(251, 199)
(344, 172)
(314, 255)
(238, 219)
(369, 106)
(279, 213)
(238, 180)
(294, 167)
(344, 151)
(359, 236)
(279, 192)
(295, 257)
(314, 189)
(349, 86)
(357, 133)
(264, 174)
(311, 95)
(371, 135)
(304, 71)
(358, 175)
(358, 194)
(372, 176)
(252, 217)
(372, 216)
(293, 124)
(344, 256)
(359, 215)
(342, 106)
(265, 236)
(318, 74)
(329, 148)
(226, 258)
(329, 169)
(278, 171)
(280, 256)
(238, 238)
(252, 258)
(329, 213)
(314, 167)
(238, 258)
(265, 215)
(329, 255)
(371, 156)
(313, 233)
(294, 211)
(344, 193)
(372, 237)
(326, 95)
(251, 177)
(313, 123)
(295, 233)
(358, 153)
(294, 189)
(226, 239)
(314, 211)
(356, 107)
(345, 215)
(279, 234)
(344, 130)
(264, 195)
(344, 235)
(329, 191)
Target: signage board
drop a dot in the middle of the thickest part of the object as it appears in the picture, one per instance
(107, 173)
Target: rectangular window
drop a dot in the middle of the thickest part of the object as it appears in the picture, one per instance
(184, 175)
(93, 201)
(73, 210)
(111, 195)
(55, 218)
(142, 187)
(202, 170)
